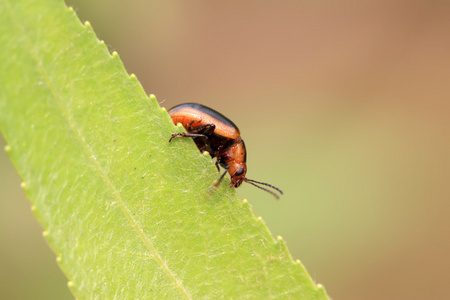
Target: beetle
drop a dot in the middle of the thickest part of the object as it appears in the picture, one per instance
(218, 135)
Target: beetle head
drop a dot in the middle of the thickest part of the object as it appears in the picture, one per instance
(237, 172)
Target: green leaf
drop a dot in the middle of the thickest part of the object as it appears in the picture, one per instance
(128, 214)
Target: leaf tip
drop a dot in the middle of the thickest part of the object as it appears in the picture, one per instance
(115, 54)
(58, 259)
(133, 76)
(70, 8)
(206, 153)
(45, 233)
(7, 148)
(88, 24)
(23, 185)
(70, 283)
(33, 208)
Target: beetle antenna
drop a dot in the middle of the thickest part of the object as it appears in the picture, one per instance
(255, 183)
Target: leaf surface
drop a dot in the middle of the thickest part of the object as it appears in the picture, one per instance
(128, 214)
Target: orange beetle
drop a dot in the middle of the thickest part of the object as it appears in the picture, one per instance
(215, 133)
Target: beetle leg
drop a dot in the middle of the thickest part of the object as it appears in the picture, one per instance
(225, 166)
(205, 147)
(221, 177)
(187, 134)
(206, 129)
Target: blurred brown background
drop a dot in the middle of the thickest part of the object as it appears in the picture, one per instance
(345, 106)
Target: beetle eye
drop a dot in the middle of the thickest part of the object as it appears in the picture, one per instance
(239, 172)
